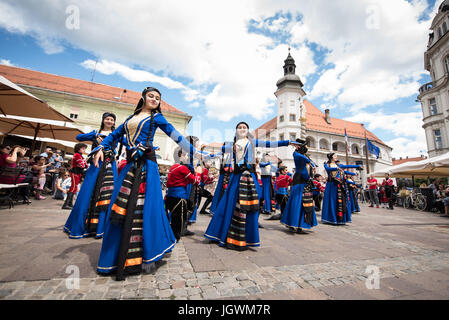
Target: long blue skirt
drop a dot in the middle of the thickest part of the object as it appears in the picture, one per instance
(266, 193)
(217, 230)
(158, 237)
(329, 209)
(354, 203)
(293, 215)
(192, 219)
(217, 192)
(75, 224)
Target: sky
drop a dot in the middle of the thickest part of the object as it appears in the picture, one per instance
(219, 61)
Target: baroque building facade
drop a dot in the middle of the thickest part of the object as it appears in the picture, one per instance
(434, 96)
(299, 118)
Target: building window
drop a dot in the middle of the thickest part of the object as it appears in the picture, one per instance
(292, 136)
(292, 103)
(444, 27)
(281, 118)
(281, 137)
(73, 116)
(281, 104)
(440, 33)
(438, 140)
(324, 145)
(292, 117)
(433, 106)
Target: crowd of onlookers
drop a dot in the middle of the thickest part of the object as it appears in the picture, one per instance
(46, 173)
(386, 194)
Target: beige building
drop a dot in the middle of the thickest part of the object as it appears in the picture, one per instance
(85, 102)
(434, 96)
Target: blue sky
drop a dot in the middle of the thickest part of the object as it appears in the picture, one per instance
(219, 61)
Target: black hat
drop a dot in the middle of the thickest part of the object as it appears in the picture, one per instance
(109, 114)
(330, 155)
(242, 122)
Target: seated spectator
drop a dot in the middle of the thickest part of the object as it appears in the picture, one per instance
(46, 152)
(39, 171)
(439, 197)
(9, 157)
(57, 159)
(446, 202)
(62, 185)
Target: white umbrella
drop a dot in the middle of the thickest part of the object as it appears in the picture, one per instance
(15, 101)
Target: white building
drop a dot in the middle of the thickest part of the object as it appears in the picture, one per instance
(434, 96)
(299, 118)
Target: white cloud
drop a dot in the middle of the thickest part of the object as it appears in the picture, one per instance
(406, 128)
(7, 63)
(375, 48)
(109, 68)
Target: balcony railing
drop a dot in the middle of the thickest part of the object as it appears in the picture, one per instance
(427, 87)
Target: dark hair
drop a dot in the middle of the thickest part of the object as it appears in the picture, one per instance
(37, 158)
(177, 154)
(105, 115)
(143, 99)
(317, 176)
(79, 146)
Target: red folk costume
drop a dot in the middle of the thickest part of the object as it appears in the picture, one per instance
(78, 166)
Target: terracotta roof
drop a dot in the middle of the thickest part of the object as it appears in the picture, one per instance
(75, 86)
(400, 160)
(315, 120)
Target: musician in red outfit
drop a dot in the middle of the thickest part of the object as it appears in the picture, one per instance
(179, 176)
(79, 165)
(283, 181)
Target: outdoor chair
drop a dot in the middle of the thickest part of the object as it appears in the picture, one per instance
(10, 192)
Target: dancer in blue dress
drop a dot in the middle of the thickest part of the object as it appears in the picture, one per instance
(225, 165)
(300, 210)
(88, 215)
(139, 233)
(235, 223)
(267, 186)
(335, 199)
(353, 190)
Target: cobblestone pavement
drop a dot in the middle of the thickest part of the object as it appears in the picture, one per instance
(410, 250)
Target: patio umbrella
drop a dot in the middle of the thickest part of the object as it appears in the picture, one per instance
(436, 167)
(15, 101)
(55, 130)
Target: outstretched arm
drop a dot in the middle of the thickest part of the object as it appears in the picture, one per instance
(90, 136)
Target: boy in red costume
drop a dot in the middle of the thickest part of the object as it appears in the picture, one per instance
(79, 165)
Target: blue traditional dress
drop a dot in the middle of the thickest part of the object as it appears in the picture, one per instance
(88, 215)
(352, 186)
(126, 248)
(295, 215)
(218, 193)
(267, 186)
(235, 222)
(336, 207)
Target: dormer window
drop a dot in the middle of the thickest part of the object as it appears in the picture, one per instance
(444, 27)
(440, 33)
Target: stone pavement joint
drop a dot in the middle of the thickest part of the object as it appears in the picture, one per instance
(178, 278)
